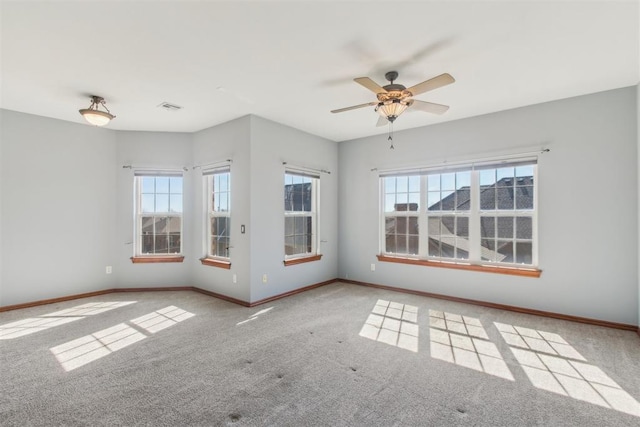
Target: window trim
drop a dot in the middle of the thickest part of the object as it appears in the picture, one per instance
(474, 262)
(314, 214)
(209, 259)
(143, 258)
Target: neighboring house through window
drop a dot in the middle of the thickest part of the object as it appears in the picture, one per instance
(158, 214)
(481, 214)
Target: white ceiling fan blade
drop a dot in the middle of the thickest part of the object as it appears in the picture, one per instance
(382, 121)
(370, 84)
(429, 107)
(353, 107)
(431, 84)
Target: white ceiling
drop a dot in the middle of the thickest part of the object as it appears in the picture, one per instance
(293, 62)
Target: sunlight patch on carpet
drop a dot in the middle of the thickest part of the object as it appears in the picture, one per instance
(46, 321)
(462, 340)
(393, 323)
(254, 316)
(81, 351)
(552, 364)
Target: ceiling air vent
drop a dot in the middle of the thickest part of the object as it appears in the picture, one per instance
(170, 107)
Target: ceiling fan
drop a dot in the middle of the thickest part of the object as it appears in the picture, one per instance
(394, 99)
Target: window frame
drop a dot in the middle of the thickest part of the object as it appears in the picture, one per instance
(475, 213)
(211, 213)
(138, 255)
(314, 214)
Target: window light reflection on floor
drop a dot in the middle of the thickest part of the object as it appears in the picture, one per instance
(79, 352)
(563, 370)
(46, 321)
(255, 316)
(462, 340)
(394, 324)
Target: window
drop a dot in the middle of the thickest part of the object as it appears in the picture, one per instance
(219, 213)
(158, 208)
(483, 215)
(300, 215)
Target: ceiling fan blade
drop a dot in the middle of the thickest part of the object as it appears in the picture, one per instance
(353, 107)
(382, 121)
(429, 107)
(370, 84)
(431, 84)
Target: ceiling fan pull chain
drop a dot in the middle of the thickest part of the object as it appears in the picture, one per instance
(391, 136)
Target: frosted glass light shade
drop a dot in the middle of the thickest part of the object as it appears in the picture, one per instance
(95, 117)
(392, 109)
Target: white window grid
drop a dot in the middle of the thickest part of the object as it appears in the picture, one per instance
(474, 214)
(214, 212)
(139, 214)
(313, 215)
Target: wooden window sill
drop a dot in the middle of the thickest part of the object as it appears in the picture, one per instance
(154, 259)
(525, 272)
(216, 263)
(301, 260)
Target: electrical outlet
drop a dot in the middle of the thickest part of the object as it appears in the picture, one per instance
(235, 278)
(108, 269)
(264, 278)
(373, 267)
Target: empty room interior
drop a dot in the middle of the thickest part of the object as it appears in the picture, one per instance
(320, 213)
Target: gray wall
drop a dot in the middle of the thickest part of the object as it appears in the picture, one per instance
(58, 212)
(588, 208)
(229, 140)
(153, 150)
(271, 145)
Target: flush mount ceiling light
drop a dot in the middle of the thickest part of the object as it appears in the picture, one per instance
(93, 115)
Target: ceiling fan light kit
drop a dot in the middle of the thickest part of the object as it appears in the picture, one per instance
(94, 115)
(394, 99)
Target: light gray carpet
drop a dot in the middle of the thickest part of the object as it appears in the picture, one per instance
(304, 362)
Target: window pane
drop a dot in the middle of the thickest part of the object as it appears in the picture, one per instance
(224, 181)
(389, 202)
(525, 171)
(414, 202)
(162, 244)
(524, 228)
(487, 250)
(402, 184)
(487, 177)
(175, 185)
(504, 196)
(505, 251)
(434, 247)
(448, 181)
(523, 252)
(147, 225)
(487, 226)
(401, 225)
(148, 184)
(447, 247)
(505, 227)
(175, 203)
(413, 248)
(414, 184)
(223, 200)
(434, 226)
(448, 200)
(288, 225)
(148, 203)
(299, 244)
(174, 243)
(413, 225)
(289, 245)
(162, 203)
(390, 243)
(462, 226)
(162, 184)
(463, 199)
(448, 224)
(433, 182)
(390, 185)
(174, 225)
(433, 200)
(524, 197)
(147, 244)
(463, 179)
(505, 174)
(401, 244)
(299, 225)
(488, 199)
